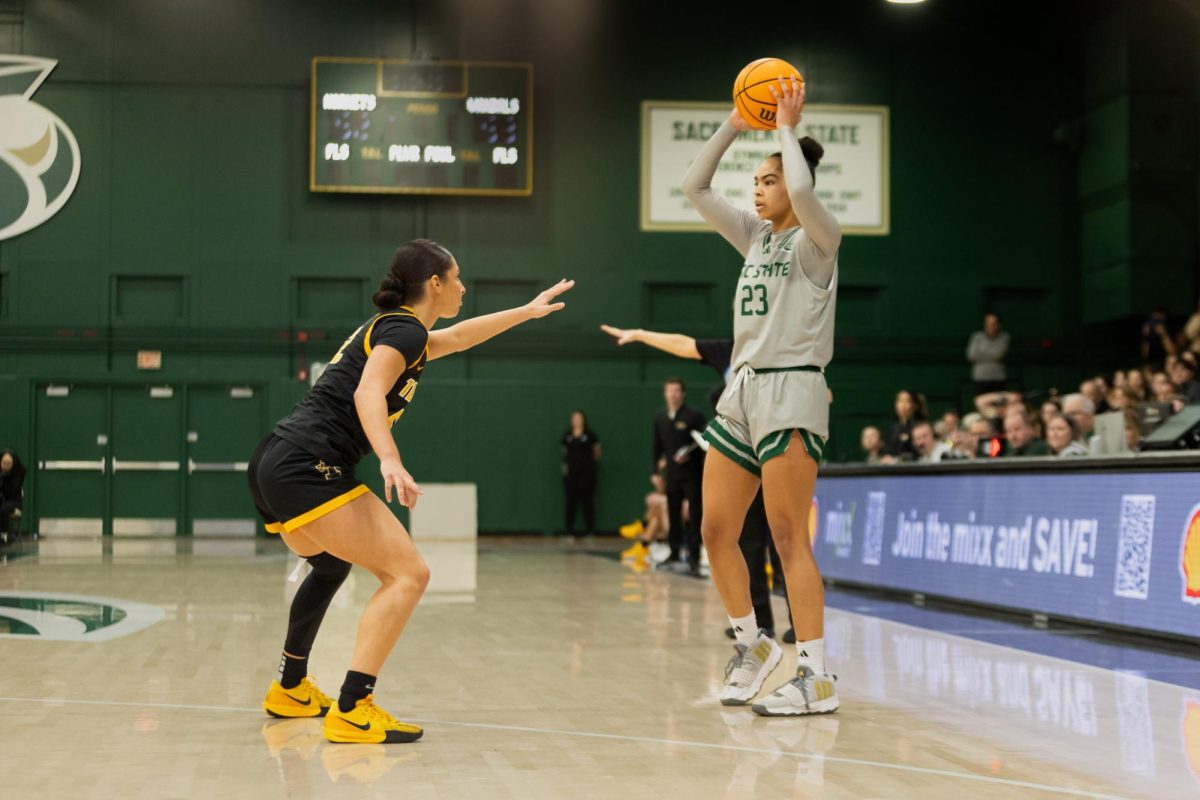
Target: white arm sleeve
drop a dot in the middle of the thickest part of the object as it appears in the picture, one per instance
(736, 225)
(823, 230)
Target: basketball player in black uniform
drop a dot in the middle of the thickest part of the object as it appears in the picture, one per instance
(755, 541)
(303, 483)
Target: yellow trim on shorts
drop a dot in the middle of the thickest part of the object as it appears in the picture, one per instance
(274, 527)
(310, 516)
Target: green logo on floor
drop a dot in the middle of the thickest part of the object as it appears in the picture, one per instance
(71, 617)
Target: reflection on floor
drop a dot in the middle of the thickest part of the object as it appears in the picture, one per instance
(541, 672)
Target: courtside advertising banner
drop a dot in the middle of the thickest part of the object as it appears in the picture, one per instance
(1115, 548)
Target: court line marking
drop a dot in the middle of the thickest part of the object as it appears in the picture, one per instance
(619, 737)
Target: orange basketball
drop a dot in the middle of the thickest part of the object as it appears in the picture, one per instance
(751, 93)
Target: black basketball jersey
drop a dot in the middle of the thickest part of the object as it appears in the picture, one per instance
(325, 423)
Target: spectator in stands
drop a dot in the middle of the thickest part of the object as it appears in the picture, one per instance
(1061, 435)
(929, 449)
(1162, 389)
(1183, 375)
(872, 445)
(910, 409)
(948, 426)
(1119, 399)
(983, 434)
(1050, 407)
(1095, 389)
(12, 491)
(1082, 412)
(1135, 385)
(986, 351)
(1156, 341)
(1018, 435)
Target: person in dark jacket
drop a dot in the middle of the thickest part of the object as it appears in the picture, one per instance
(12, 493)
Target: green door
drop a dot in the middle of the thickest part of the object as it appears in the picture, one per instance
(147, 449)
(224, 426)
(71, 445)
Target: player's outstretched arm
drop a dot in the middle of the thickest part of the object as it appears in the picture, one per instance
(677, 344)
(470, 332)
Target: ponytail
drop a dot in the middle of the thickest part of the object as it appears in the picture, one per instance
(411, 268)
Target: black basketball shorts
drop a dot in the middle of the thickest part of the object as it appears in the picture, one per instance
(292, 487)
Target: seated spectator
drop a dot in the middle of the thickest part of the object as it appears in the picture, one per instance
(1049, 408)
(1018, 434)
(948, 426)
(1135, 385)
(983, 433)
(872, 445)
(652, 529)
(12, 490)
(1162, 389)
(910, 409)
(929, 449)
(976, 436)
(1095, 389)
(1183, 375)
(1081, 411)
(1061, 435)
(1119, 399)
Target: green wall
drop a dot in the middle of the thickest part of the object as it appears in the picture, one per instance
(192, 230)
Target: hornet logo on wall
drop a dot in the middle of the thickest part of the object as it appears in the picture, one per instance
(39, 153)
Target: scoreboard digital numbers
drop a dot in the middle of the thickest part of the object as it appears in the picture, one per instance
(421, 127)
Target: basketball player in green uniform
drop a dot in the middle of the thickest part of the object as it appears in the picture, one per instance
(303, 483)
(773, 418)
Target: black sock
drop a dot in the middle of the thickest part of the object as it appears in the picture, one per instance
(357, 686)
(292, 670)
(308, 610)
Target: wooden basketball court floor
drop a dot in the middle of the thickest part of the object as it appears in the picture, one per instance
(135, 669)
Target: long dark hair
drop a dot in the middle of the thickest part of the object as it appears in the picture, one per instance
(18, 469)
(412, 266)
(813, 153)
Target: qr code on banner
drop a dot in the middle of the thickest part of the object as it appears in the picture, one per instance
(1133, 546)
(873, 536)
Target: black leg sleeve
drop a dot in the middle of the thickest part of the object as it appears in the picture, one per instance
(312, 601)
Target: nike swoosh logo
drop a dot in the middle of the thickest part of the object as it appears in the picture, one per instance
(307, 702)
(366, 727)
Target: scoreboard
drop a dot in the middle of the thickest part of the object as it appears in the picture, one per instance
(421, 127)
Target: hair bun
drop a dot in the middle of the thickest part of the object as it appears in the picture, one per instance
(812, 149)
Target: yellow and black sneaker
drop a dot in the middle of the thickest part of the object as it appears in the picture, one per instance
(367, 723)
(633, 529)
(303, 700)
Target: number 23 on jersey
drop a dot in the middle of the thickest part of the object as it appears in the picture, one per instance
(754, 300)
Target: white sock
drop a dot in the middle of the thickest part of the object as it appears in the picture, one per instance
(811, 654)
(745, 629)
